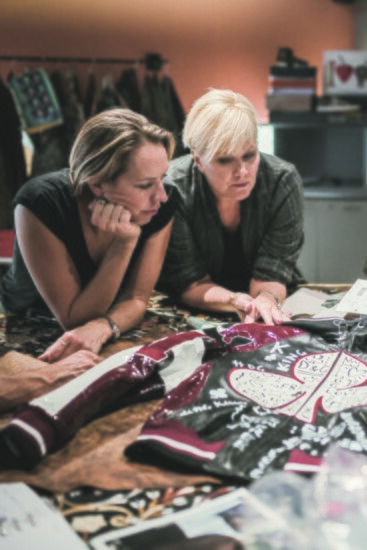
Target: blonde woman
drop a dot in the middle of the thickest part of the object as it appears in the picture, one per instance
(239, 228)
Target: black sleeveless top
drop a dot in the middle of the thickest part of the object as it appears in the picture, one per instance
(50, 198)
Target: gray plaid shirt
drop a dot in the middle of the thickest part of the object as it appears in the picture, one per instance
(271, 227)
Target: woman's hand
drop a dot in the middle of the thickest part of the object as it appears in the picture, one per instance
(114, 218)
(88, 337)
(33, 381)
(265, 307)
(74, 365)
(241, 302)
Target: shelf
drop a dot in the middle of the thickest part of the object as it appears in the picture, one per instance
(285, 118)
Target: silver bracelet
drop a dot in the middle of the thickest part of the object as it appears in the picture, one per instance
(116, 332)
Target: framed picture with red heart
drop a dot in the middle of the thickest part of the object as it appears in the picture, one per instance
(345, 72)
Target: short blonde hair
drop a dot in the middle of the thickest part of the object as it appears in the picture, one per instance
(103, 147)
(220, 122)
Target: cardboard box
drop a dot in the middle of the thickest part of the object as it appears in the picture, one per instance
(290, 102)
(345, 72)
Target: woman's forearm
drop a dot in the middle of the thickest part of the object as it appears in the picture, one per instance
(210, 297)
(96, 298)
(128, 313)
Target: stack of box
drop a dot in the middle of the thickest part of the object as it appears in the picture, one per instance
(291, 88)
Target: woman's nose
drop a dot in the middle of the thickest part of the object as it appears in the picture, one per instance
(161, 194)
(241, 169)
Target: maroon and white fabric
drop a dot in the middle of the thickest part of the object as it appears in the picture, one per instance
(48, 422)
(241, 399)
(277, 402)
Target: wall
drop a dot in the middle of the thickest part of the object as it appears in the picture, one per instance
(361, 24)
(218, 43)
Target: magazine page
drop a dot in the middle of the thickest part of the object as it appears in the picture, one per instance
(355, 300)
(27, 521)
(233, 521)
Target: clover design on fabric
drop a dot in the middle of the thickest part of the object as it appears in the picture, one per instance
(331, 382)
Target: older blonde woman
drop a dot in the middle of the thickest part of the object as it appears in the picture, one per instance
(91, 239)
(239, 228)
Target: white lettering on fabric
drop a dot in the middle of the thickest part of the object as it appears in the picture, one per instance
(265, 461)
(243, 441)
(218, 393)
(254, 428)
(278, 347)
(246, 422)
(195, 410)
(322, 434)
(226, 403)
(356, 428)
(285, 364)
(254, 367)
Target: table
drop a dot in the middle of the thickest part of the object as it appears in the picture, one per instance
(92, 469)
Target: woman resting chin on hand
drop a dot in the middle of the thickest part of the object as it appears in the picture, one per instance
(90, 240)
(238, 233)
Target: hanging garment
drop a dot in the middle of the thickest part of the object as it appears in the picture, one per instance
(109, 97)
(128, 87)
(242, 399)
(175, 113)
(53, 145)
(12, 159)
(160, 104)
(90, 96)
(67, 88)
(36, 100)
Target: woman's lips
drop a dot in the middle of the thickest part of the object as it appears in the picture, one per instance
(240, 184)
(151, 212)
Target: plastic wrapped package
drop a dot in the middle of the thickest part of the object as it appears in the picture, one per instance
(340, 491)
(291, 498)
(326, 512)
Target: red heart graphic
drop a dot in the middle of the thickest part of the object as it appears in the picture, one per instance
(344, 72)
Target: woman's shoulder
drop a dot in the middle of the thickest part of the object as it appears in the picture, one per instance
(275, 165)
(276, 172)
(52, 186)
(184, 174)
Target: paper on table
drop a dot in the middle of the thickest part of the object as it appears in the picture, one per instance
(355, 300)
(312, 303)
(27, 521)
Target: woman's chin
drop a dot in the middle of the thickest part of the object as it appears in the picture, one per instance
(144, 217)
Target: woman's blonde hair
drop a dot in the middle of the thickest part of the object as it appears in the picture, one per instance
(220, 122)
(103, 147)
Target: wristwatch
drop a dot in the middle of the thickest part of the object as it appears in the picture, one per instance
(116, 332)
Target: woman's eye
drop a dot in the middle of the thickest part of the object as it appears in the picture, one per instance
(224, 160)
(145, 186)
(249, 156)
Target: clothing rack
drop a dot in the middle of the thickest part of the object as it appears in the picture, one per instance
(152, 61)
